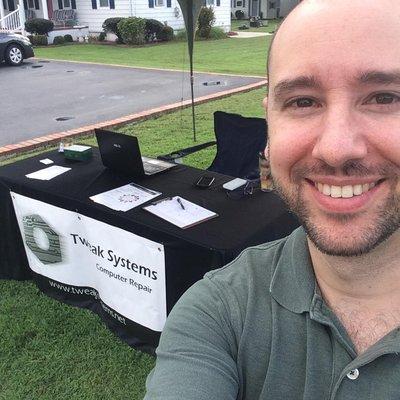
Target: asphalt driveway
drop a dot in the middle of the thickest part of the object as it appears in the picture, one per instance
(38, 93)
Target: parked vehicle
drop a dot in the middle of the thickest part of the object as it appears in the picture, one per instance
(14, 48)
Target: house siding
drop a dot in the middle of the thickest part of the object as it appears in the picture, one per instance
(280, 8)
(94, 18)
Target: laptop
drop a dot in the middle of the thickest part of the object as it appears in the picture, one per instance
(121, 153)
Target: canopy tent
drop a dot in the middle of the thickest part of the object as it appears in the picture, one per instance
(190, 11)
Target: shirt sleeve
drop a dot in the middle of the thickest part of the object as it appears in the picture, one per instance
(197, 350)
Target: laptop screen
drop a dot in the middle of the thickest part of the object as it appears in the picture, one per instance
(120, 153)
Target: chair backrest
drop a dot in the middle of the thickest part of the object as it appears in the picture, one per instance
(30, 14)
(239, 141)
(64, 15)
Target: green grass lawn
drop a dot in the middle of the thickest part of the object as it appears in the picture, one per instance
(233, 56)
(52, 351)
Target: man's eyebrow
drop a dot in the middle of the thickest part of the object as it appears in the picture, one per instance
(288, 85)
(380, 77)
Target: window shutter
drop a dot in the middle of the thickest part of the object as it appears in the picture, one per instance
(25, 4)
(73, 4)
(11, 6)
(151, 3)
(94, 4)
(112, 4)
(218, 3)
(37, 7)
(60, 5)
(168, 3)
(5, 4)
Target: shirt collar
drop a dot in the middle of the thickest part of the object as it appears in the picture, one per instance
(293, 281)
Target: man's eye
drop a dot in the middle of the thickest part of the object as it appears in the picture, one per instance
(384, 98)
(302, 103)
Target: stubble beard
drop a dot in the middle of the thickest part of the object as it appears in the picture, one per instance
(381, 226)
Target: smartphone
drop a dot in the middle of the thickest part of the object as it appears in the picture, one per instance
(205, 181)
(234, 184)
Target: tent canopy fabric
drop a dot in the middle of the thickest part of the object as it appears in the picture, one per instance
(190, 11)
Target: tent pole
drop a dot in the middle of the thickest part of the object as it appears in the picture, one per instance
(190, 32)
(193, 116)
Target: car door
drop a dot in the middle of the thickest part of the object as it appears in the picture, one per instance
(3, 40)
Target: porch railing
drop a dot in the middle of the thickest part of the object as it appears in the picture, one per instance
(14, 21)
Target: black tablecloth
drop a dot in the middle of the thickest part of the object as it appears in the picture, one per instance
(189, 252)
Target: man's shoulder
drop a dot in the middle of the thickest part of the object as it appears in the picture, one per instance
(256, 261)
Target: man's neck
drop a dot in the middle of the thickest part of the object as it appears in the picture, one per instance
(370, 275)
(364, 291)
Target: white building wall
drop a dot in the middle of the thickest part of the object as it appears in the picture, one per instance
(242, 5)
(94, 18)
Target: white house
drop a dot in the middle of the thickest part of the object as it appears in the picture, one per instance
(92, 13)
(265, 9)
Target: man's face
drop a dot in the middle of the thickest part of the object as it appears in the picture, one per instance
(334, 124)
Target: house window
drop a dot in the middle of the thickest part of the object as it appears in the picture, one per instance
(210, 2)
(159, 3)
(31, 4)
(239, 3)
(67, 3)
(104, 3)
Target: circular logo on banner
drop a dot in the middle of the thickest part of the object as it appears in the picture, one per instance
(42, 239)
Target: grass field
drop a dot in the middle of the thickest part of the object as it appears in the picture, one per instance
(232, 56)
(51, 351)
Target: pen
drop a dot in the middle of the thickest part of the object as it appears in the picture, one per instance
(180, 203)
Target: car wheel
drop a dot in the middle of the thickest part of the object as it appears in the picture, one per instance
(14, 55)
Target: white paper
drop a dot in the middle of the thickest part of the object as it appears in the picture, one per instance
(46, 161)
(180, 212)
(125, 197)
(48, 173)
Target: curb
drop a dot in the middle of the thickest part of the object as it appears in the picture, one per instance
(41, 60)
(54, 138)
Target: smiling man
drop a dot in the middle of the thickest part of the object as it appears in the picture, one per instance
(317, 314)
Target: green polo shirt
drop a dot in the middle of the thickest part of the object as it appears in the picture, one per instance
(258, 329)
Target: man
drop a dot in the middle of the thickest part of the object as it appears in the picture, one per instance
(316, 315)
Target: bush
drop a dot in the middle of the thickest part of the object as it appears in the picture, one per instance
(102, 37)
(217, 33)
(132, 30)
(38, 40)
(166, 34)
(39, 26)
(68, 38)
(152, 30)
(111, 25)
(181, 35)
(205, 22)
(239, 14)
(58, 40)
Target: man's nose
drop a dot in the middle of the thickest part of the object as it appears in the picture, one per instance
(340, 138)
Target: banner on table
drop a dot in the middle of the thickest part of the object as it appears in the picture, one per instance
(80, 255)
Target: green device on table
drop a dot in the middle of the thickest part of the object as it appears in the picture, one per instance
(78, 152)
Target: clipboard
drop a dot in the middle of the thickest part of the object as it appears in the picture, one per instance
(180, 212)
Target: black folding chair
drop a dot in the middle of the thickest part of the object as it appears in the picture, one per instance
(239, 141)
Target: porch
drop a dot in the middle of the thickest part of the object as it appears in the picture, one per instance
(14, 13)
